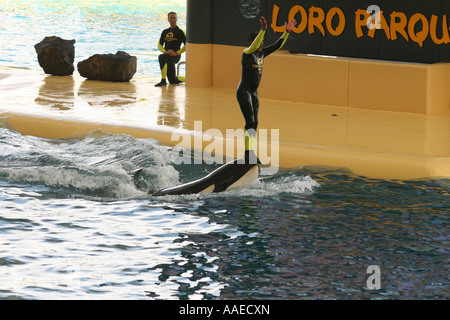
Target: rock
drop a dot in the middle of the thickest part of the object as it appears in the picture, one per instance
(109, 67)
(56, 55)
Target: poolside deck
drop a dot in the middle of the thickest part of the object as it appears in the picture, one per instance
(375, 144)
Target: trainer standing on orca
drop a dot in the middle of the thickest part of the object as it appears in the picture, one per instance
(252, 65)
(170, 46)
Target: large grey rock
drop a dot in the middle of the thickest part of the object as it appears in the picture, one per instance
(109, 67)
(56, 55)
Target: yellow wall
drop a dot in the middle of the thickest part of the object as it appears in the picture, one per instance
(355, 83)
(199, 59)
(399, 86)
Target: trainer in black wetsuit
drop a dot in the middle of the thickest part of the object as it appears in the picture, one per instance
(252, 65)
(170, 45)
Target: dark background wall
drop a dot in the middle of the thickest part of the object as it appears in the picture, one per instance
(229, 22)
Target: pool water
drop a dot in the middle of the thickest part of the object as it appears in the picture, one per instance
(73, 225)
(98, 27)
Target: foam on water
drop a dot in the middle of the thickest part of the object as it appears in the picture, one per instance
(96, 166)
(99, 166)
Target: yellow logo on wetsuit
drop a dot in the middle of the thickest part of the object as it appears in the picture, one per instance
(260, 63)
(170, 37)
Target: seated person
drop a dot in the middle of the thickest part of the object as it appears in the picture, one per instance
(170, 46)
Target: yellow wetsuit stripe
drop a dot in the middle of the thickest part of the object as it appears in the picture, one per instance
(256, 43)
(249, 140)
(284, 36)
(161, 48)
(181, 50)
(164, 72)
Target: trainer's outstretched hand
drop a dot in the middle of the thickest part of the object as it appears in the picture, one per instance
(290, 25)
(263, 22)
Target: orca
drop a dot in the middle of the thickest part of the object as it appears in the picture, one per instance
(236, 173)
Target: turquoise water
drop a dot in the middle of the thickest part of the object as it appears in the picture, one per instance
(73, 226)
(98, 26)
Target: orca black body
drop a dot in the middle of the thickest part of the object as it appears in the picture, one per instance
(233, 174)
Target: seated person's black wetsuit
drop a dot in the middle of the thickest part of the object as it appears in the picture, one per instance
(247, 94)
(171, 38)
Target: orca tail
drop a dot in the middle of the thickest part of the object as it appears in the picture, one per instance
(136, 174)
